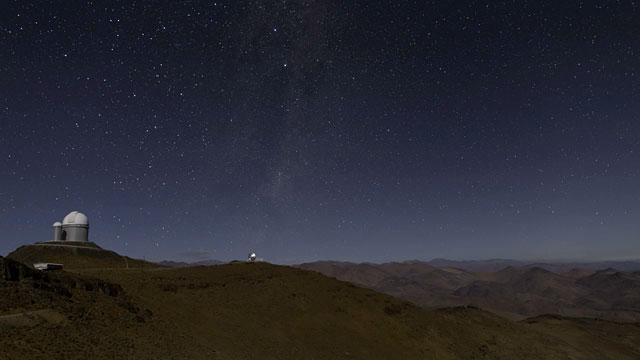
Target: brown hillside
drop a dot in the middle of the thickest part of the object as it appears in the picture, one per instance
(285, 313)
(70, 316)
(254, 311)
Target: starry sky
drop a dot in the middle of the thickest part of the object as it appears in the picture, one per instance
(315, 129)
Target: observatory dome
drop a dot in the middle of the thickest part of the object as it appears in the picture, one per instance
(75, 218)
(57, 224)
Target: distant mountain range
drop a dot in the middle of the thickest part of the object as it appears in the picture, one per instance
(185, 264)
(607, 290)
(557, 267)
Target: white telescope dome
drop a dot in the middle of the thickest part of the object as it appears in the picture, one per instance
(57, 223)
(75, 218)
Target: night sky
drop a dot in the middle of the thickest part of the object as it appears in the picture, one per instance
(310, 130)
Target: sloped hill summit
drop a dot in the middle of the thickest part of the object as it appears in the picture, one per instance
(75, 255)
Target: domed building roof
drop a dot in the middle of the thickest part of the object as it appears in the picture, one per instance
(75, 218)
(57, 223)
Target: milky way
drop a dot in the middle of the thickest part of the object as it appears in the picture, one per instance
(307, 130)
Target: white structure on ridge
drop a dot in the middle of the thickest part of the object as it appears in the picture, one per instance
(74, 227)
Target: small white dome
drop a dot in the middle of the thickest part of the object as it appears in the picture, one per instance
(57, 223)
(75, 218)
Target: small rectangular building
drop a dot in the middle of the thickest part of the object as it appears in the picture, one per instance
(47, 266)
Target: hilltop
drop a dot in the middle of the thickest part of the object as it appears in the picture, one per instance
(79, 255)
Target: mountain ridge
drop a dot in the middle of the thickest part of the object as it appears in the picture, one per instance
(518, 291)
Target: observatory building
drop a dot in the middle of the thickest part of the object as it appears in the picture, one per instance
(74, 227)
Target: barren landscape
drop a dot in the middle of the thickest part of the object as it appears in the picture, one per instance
(245, 310)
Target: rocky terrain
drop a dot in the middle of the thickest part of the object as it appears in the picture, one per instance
(70, 316)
